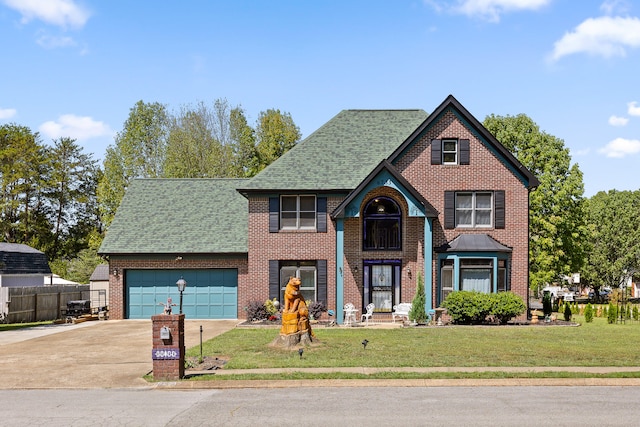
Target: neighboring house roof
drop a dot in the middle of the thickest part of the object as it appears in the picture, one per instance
(54, 279)
(16, 258)
(174, 216)
(528, 178)
(473, 243)
(339, 155)
(100, 273)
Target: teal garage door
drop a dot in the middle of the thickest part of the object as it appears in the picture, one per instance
(210, 293)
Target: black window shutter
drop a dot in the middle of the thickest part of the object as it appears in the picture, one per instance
(500, 208)
(436, 152)
(464, 151)
(449, 209)
(321, 214)
(274, 214)
(274, 279)
(322, 281)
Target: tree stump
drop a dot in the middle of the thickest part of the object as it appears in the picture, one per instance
(290, 341)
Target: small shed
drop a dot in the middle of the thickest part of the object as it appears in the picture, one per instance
(99, 286)
(20, 266)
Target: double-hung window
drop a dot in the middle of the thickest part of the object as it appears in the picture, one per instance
(298, 212)
(449, 151)
(306, 271)
(474, 209)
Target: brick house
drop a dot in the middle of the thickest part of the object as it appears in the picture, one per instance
(357, 210)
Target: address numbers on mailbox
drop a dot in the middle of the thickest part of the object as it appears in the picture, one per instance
(165, 353)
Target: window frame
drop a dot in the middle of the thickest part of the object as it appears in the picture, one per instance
(454, 152)
(297, 212)
(474, 209)
(296, 267)
(368, 218)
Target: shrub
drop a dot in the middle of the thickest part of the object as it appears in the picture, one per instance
(567, 312)
(270, 307)
(418, 313)
(635, 312)
(256, 310)
(588, 313)
(507, 305)
(316, 309)
(612, 313)
(468, 307)
(546, 304)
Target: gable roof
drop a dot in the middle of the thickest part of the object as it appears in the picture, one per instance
(173, 216)
(100, 273)
(16, 258)
(528, 178)
(429, 210)
(339, 155)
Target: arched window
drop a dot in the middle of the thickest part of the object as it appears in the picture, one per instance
(382, 229)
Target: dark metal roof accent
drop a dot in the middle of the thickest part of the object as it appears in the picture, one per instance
(451, 102)
(100, 273)
(430, 211)
(473, 243)
(16, 258)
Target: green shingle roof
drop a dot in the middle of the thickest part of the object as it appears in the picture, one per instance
(340, 154)
(173, 216)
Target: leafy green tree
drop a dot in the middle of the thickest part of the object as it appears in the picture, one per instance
(614, 224)
(139, 152)
(276, 134)
(200, 142)
(558, 233)
(22, 170)
(245, 153)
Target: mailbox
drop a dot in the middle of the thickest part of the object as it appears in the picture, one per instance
(165, 333)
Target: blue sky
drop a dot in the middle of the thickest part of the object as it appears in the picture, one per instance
(76, 67)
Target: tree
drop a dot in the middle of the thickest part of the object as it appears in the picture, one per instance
(276, 134)
(139, 152)
(614, 224)
(71, 193)
(418, 313)
(200, 142)
(22, 170)
(245, 152)
(558, 233)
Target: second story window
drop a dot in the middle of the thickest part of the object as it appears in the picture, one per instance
(449, 151)
(298, 212)
(382, 225)
(474, 209)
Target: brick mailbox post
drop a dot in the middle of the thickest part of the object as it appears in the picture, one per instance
(168, 346)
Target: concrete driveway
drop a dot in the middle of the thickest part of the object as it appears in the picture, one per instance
(97, 354)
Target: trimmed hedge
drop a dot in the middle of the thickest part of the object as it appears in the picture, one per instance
(472, 307)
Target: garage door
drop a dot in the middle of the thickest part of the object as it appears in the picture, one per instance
(210, 294)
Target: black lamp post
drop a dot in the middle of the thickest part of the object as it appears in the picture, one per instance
(181, 283)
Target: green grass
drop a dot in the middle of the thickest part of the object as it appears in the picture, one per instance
(592, 344)
(13, 326)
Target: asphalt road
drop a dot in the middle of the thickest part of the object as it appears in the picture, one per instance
(326, 406)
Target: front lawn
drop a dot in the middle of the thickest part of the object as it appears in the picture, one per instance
(592, 344)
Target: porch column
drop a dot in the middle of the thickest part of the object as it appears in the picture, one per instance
(428, 263)
(339, 270)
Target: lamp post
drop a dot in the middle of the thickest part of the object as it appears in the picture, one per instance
(181, 283)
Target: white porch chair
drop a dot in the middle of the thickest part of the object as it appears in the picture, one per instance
(349, 314)
(366, 316)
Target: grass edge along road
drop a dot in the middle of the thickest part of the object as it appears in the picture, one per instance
(593, 345)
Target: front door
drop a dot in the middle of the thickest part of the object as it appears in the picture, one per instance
(382, 284)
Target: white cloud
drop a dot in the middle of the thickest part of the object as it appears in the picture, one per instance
(618, 121)
(606, 36)
(53, 42)
(62, 13)
(7, 113)
(621, 147)
(491, 10)
(633, 109)
(76, 127)
(609, 7)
